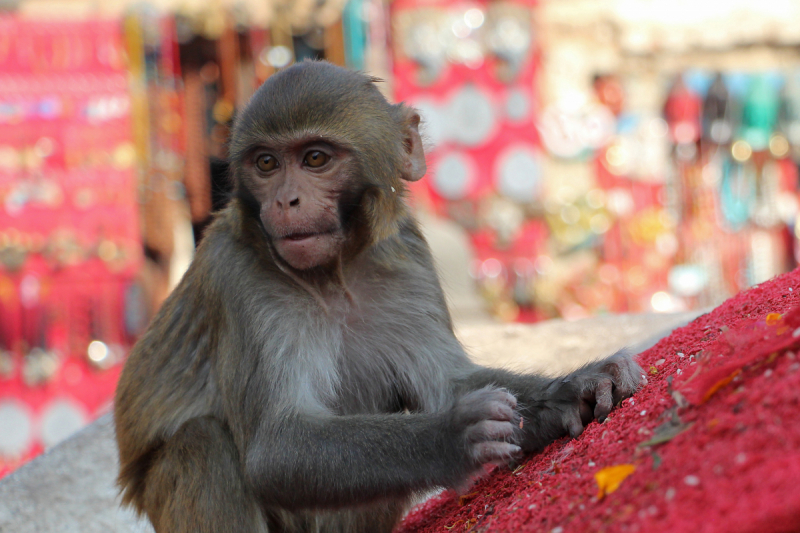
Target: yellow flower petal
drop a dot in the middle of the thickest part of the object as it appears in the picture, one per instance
(610, 478)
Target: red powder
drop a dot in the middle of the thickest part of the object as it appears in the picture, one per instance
(735, 468)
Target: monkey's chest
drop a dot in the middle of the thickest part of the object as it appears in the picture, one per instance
(384, 368)
(395, 350)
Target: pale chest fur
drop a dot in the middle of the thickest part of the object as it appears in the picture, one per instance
(368, 356)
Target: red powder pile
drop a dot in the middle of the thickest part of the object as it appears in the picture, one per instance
(717, 450)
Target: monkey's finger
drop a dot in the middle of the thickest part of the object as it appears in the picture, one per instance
(628, 378)
(573, 424)
(489, 430)
(604, 398)
(620, 393)
(495, 452)
(506, 397)
(614, 368)
(587, 413)
(501, 411)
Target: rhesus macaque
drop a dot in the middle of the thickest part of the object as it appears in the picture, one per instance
(304, 375)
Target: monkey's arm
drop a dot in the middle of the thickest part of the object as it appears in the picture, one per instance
(554, 407)
(303, 461)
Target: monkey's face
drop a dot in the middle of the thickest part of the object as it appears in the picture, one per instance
(321, 156)
(298, 186)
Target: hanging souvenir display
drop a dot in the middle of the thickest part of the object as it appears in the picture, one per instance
(69, 228)
(697, 205)
(718, 114)
(686, 203)
(733, 190)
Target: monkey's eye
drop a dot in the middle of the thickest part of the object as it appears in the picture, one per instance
(266, 162)
(316, 159)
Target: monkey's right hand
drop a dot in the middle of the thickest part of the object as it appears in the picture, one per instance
(487, 420)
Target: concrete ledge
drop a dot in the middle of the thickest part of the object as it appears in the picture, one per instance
(70, 489)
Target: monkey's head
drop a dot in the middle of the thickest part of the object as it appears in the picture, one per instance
(320, 157)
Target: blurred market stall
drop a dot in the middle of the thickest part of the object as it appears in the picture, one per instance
(70, 246)
(609, 156)
(113, 127)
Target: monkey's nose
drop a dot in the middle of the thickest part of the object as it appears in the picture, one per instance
(292, 201)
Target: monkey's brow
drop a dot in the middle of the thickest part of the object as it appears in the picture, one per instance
(302, 138)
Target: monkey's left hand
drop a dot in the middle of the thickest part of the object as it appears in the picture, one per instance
(592, 391)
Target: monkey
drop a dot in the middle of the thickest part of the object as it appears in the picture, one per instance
(304, 375)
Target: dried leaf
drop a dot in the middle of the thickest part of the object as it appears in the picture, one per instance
(719, 384)
(610, 478)
(666, 432)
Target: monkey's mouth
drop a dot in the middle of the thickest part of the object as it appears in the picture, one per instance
(307, 249)
(298, 237)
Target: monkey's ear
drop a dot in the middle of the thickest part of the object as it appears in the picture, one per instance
(414, 166)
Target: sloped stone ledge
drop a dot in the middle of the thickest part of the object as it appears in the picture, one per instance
(69, 489)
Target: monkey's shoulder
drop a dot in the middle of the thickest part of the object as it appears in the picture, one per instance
(406, 249)
(233, 268)
(181, 339)
(232, 244)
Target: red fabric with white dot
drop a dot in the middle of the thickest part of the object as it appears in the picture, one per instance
(736, 468)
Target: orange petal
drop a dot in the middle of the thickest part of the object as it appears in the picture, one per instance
(611, 477)
(773, 318)
(719, 384)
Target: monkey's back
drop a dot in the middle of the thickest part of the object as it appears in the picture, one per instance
(168, 376)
